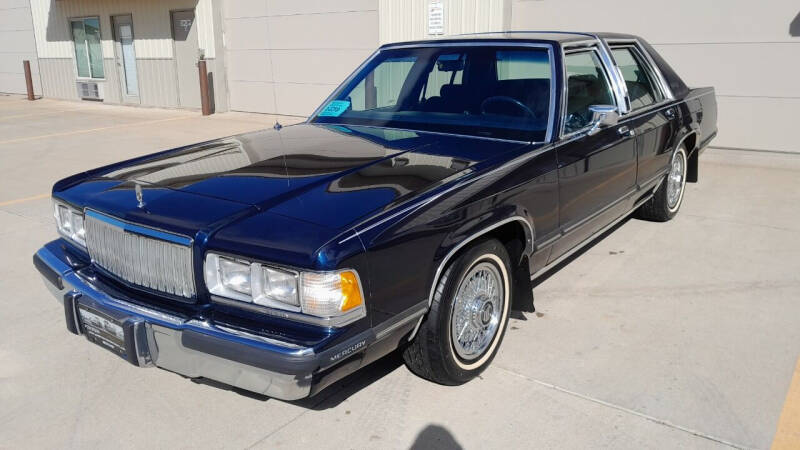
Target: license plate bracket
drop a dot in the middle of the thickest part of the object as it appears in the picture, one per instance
(103, 330)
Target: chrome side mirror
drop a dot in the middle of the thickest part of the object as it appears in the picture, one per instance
(603, 116)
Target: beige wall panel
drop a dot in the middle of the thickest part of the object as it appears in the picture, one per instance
(16, 41)
(744, 69)
(8, 4)
(252, 96)
(306, 48)
(249, 65)
(157, 82)
(408, 20)
(151, 24)
(300, 99)
(15, 18)
(316, 66)
(742, 48)
(677, 21)
(58, 78)
(16, 45)
(13, 64)
(14, 83)
(233, 9)
(758, 123)
(292, 7)
(350, 30)
(246, 33)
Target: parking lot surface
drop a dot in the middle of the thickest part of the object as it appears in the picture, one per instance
(684, 334)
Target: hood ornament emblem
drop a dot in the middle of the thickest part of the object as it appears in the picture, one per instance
(139, 196)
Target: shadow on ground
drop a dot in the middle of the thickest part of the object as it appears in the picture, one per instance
(435, 437)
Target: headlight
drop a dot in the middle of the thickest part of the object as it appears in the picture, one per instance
(69, 222)
(325, 298)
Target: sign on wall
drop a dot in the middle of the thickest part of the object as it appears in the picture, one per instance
(436, 17)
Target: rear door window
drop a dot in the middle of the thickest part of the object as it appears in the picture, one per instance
(640, 81)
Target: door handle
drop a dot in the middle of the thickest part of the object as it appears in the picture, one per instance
(670, 113)
(625, 131)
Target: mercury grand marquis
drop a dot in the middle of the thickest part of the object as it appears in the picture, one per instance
(411, 212)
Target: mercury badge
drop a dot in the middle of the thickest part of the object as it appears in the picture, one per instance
(139, 196)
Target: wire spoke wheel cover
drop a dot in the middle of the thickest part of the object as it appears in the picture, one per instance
(676, 180)
(477, 310)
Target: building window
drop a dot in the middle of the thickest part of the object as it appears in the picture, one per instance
(88, 51)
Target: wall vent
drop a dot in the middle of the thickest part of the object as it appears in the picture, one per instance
(90, 90)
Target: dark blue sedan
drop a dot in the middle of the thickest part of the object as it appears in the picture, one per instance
(411, 212)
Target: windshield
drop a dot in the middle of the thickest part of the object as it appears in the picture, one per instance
(489, 91)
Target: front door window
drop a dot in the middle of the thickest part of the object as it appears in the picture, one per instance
(587, 85)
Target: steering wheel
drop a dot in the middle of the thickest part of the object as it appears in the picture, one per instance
(503, 98)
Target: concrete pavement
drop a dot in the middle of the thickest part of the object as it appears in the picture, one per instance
(684, 334)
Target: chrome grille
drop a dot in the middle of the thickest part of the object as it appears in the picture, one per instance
(142, 256)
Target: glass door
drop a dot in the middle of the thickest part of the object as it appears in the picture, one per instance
(126, 58)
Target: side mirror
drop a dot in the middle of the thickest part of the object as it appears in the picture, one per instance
(603, 116)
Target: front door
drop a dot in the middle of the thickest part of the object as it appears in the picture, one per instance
(126, 58)
(184, 33)
(595, 172)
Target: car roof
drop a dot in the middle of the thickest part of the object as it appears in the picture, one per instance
(560, 37)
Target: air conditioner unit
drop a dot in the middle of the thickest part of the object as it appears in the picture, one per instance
(90, 90)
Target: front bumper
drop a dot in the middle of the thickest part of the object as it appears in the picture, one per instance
(189, 347)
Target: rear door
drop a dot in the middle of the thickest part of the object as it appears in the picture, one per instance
(595, 172)
(651, 116)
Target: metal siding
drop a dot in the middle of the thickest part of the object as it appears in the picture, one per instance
(58, 78)
(112, 87)
(151, 25)
(17, 44)
(157, 82)
(152, 43)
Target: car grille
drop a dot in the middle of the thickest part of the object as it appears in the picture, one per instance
(142, 256)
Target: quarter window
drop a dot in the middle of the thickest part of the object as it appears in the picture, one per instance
(587, 85)
(88, 51)
(642, 90)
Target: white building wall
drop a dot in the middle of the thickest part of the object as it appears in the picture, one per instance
(405, 20)
(153, 46)
(16, 45)
(151, 25)
(745, 49)
(286, 57)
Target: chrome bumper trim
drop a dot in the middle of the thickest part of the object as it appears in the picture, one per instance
(160, 341)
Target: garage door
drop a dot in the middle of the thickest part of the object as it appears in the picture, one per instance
(16, 44)
(285, 57)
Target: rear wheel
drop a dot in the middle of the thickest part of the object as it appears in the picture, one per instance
(666, 202)
(468, 317)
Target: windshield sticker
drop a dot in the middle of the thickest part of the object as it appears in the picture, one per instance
(342, 129)
(335, 108)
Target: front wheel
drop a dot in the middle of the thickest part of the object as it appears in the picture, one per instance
(468, 317)
(666, 202)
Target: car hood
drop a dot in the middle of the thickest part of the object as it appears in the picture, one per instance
(327, 175)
